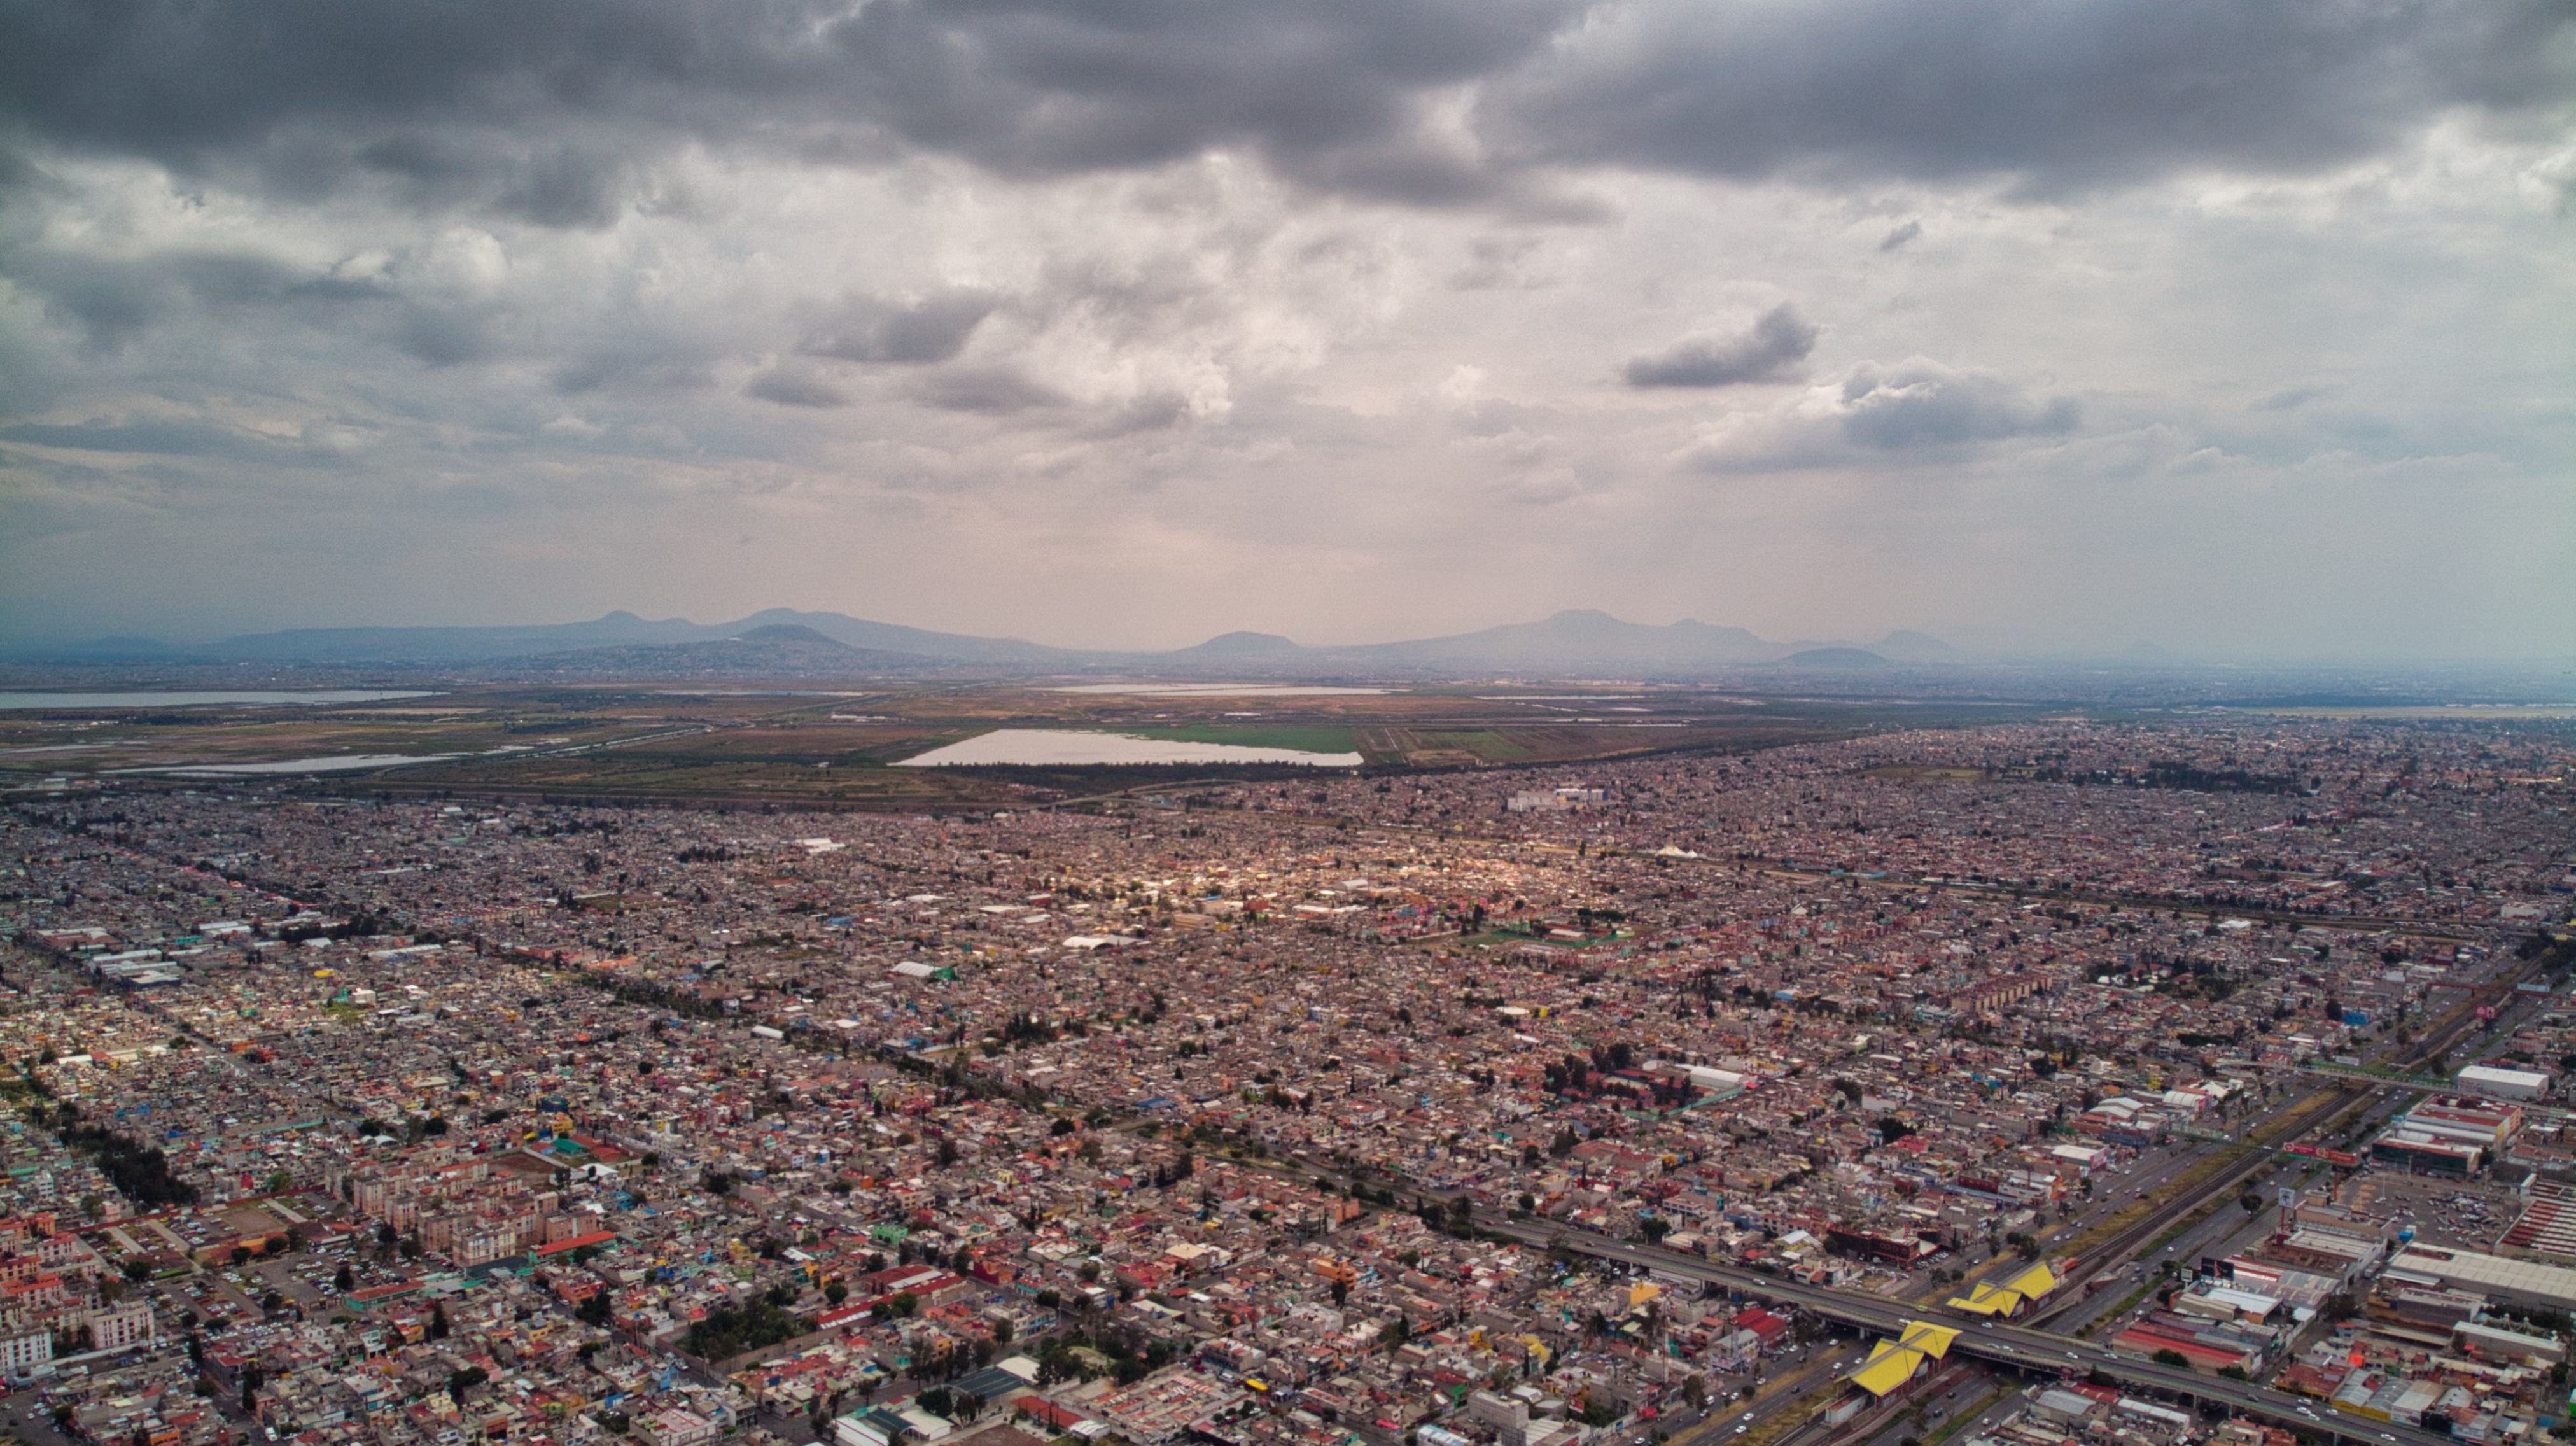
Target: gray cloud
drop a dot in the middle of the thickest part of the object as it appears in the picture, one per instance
(2289, 399)
(1900, 236)
(444, 338)
(991, 390)
(793, 388)
(653, 355)
(1326, 89)
(2067, 95)
(180, 437)
(932, 329)
(1770, 352)
(1921, 403)
(567, 189)
(115, 299)
(540, 113)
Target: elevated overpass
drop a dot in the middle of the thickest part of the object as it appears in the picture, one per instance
(2017, 1348)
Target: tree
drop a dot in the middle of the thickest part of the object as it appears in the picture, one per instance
(1695, 1391)
(344, 1279)
(252, 1379)
(463, 1380)
(2172, 1357)
(438, 1326)
(1654, 1228)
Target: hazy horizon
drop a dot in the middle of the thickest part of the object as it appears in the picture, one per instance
(2237, 334)
(1975, 648)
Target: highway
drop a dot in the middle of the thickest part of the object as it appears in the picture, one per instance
(2017, 1347)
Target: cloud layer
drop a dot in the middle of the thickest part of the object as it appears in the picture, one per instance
(1135, 320)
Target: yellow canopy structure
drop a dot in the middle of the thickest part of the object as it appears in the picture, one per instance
(1987, 1300)
(1893, 1363)
(2008, 1298)
(2033, 1283)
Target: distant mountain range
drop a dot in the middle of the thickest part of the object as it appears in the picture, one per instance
(782, 643)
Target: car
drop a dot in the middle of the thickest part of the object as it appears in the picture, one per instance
(2070, 1355)
(1740, 1430)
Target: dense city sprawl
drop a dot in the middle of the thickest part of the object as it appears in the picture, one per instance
(1300, 1112)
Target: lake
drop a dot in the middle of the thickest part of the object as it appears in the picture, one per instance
(196, 700)
(1065, 745)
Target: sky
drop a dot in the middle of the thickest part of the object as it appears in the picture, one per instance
(2237, 330)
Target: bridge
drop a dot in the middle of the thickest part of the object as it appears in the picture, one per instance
(2017, 1348)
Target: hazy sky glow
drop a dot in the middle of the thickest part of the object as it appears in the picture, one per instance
(2231, 328)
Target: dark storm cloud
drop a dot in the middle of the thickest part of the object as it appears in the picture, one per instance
(1325, 88)
(1922, 403)
(1770, 352)
(932, 329)
(541, 112)
(2067, 94)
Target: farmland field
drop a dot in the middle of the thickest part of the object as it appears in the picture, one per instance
(797, 746)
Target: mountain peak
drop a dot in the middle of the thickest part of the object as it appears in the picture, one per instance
(1834, 658)
(1245, 644)
(788, 633)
